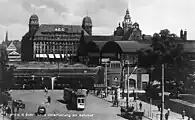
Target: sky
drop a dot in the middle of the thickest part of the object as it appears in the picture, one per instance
(152, 15)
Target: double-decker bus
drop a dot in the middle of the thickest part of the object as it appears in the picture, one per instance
(75, 98)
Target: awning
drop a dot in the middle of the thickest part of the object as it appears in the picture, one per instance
(62, 55)
(43, 55)
(37, 55)
(51, 55)
(57, 55)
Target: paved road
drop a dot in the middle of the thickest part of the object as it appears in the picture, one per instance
(150, 111)
(96, 109)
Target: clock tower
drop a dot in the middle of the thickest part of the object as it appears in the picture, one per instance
(33, 25)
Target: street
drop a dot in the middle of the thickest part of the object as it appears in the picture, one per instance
(96, 108)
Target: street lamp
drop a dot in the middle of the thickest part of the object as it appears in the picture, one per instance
(151, 70)
(105, 80)
(128, 76)
(162, 97)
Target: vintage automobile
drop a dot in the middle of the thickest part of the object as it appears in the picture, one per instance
(19, 103)
(41, 110)
(127, 112)
(130, 113)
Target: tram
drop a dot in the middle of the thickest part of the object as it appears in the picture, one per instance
(76, 99)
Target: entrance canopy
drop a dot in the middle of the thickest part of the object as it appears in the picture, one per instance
(51, 55)
(43, 56)
(57, 56)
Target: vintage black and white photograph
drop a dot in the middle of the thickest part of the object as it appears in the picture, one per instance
(97, 60)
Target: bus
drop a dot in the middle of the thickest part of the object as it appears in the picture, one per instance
(75, 98)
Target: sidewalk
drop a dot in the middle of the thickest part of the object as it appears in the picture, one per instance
(153, 115)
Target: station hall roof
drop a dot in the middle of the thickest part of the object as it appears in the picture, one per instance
(101, 38)
(129, 46)
(69, 29)
(125, 46)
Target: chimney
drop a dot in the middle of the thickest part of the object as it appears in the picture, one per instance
(185, 35)
(181, 34)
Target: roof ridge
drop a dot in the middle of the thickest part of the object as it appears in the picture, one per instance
(59, 24)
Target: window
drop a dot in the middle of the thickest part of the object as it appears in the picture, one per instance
(80, 100)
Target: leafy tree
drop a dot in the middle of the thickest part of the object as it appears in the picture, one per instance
(165, 49)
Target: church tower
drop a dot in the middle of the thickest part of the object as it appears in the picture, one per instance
(33, 25)
(87, 25)
(127, 23)
(6, 37)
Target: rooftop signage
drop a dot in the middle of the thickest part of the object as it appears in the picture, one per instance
(59, 29)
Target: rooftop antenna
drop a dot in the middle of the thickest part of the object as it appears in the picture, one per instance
(34, 8)
(129, 5)
(87, 12)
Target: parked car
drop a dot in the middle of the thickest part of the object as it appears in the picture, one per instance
(41, 110)
(174, 95)
(19, 103)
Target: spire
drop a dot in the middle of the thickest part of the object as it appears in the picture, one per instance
(6, 36)
(127, 11)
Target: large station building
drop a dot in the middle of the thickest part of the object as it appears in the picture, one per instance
(51, 42)
(114, 51)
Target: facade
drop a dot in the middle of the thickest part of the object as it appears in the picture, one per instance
(52, 42)
(3, 59)
(43, 73)
(122, 47)
(13, 48)
(129, 30)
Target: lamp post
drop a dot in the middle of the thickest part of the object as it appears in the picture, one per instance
(162, 97)
(151, 70)
(106, 84)
(128, 76)
(127, 85)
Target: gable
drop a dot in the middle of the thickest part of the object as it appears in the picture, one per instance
(11, 47)
(14, 53)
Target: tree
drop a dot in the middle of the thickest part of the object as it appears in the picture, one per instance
(165, 50)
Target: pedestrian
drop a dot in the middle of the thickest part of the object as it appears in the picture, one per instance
(18, 108)
(101, 93)
(168, 111)
(140, 106)
(87, 92)
(49, 99)
(6, 111)
(12, 117)
(112, 98)
(183, 114)
(46, 91)
(133, 107)
(158, 107)
(117, 102)
(134, 95)
(166, 116)
(9, 110)
(23, 86)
